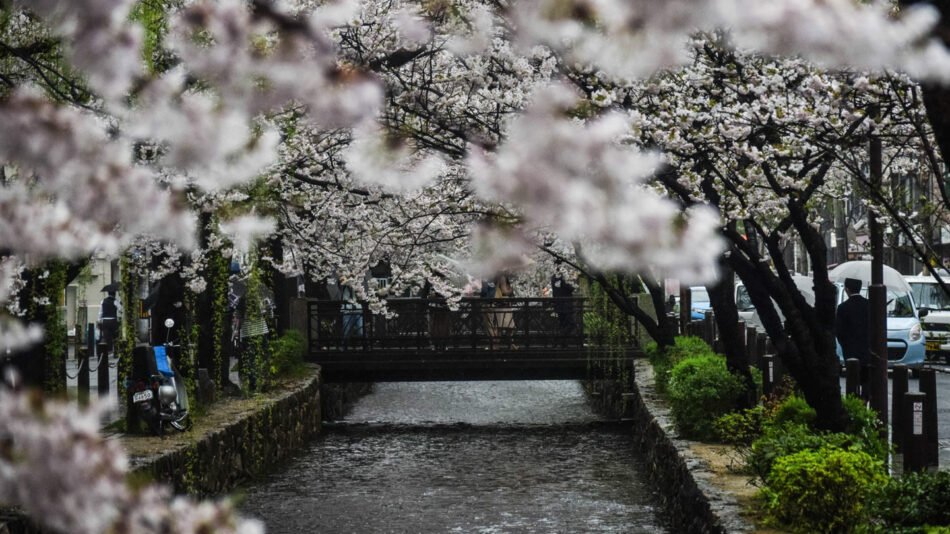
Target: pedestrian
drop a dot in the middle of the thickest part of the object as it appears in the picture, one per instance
(505, 316)
(352, 313)
(852, 329)
(563, 290)
(109, 312)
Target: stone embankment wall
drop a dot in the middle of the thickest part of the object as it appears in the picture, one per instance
(242, 448)
(682, 478)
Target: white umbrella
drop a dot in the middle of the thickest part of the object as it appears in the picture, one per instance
(861, 270)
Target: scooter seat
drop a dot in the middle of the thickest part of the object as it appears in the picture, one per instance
(161, 361)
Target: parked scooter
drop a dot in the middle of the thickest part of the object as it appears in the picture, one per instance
(158, 392)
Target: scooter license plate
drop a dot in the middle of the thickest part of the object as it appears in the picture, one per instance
(142, 396)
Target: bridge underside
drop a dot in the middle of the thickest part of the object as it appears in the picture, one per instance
(459, 365)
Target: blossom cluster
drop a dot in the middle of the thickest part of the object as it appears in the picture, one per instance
(56, 466)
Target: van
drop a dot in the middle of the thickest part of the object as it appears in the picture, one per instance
(905, 335)
(928, 295)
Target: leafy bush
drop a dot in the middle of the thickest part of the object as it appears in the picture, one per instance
(785, 440)
(745, 427)
(742, 428)
(663, 362)
(866, 427)
(823, 490)
(914, 501)
(701, 390)
(794, 410)
(287, 354)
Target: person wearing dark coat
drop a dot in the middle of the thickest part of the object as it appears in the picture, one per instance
(852, 329)
(562, 289)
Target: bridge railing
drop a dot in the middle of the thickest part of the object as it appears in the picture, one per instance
(429, 324)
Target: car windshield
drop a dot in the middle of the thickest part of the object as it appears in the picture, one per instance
(928, 295)
(898, 304)
(698, 294)
(743, 302)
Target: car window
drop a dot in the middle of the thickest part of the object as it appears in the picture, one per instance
(698, 294)
(928, 295)
(898, 304)
(743, 302)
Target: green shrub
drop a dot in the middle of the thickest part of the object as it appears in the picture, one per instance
(793, 410)
(287, 354)
(914, 500)
(866, 427)
(701, 390)
(823, 490)
(663, 362)
(788, 439)
(742, 428)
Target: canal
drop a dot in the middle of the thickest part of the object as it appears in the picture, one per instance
(467, 457)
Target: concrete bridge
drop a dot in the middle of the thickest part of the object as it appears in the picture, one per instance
(481, 339)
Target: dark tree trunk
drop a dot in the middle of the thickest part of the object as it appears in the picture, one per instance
(723, 302)
(804, 339)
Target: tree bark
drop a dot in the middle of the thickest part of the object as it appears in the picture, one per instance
(723, 302)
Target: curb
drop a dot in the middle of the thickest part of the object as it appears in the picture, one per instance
(683, 478)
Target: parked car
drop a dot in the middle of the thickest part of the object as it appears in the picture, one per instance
(930, 297)
(699, 302)
(905, 336)
(747, 311)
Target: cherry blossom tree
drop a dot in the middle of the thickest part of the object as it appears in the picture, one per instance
(394, 130)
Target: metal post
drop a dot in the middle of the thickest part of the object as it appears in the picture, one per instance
(82, 378)
(751, 344)
(928, 386)
(877, 293)
(898, 422)
(852, 381)
(686, 312)
(102, 378)
(768, 374)
(914, 441)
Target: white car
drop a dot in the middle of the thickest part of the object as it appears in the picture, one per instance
(936, 324)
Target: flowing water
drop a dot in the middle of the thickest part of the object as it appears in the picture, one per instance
(468, 457)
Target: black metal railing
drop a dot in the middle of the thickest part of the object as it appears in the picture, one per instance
(430, 324)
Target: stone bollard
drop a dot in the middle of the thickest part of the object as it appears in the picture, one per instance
(852, 380)
(928, 386)
(898, 422)
(206, 387)
(914, 440)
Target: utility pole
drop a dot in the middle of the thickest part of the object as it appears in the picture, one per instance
(877, 293)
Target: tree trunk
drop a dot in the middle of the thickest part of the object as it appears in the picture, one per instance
(723, 302)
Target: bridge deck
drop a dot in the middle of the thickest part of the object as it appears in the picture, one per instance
(483, 339)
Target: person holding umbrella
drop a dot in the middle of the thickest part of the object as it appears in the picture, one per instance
(109, 312)
(852, 328)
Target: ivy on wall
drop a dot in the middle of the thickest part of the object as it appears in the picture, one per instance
(608, 329)
(216, 276)
(256, 370)
(124, 345)
(41, 298)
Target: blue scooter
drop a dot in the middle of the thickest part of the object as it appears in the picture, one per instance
(158, 391)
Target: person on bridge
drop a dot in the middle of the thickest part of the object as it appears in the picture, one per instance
(563, 290)
(852, 329)
(500, 321)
